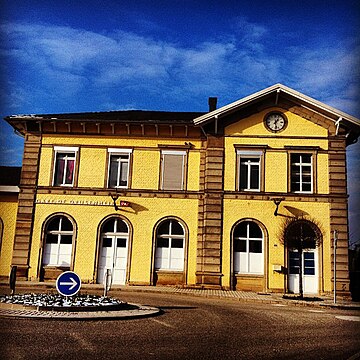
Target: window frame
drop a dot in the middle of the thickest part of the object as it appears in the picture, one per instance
(247, 253)
(170, 237)
(100, 235)
(184, 155)
(312, 151)
(119, 152)
(294, 263)
(59, 233)
(257, 151)
(65, 150)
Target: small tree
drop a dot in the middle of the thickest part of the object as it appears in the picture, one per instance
(300, 234)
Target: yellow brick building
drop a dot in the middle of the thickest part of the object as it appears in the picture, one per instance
(9, 190)
(217, 200)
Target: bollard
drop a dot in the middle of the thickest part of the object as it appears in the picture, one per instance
(13, 279)
(107, 281)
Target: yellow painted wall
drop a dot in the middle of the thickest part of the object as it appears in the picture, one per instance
(297, 126)
(193, 170)
(45, 166)
(322, 174)
(263, 211)
(276, 158)
(92, 167)
(146, 169)
(148, 212)
(8, 211)
(276, 171)
(93, 160)
(112, 141)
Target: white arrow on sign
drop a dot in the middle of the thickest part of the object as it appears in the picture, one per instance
(72, 284)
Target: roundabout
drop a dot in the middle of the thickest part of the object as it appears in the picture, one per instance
(80, 307)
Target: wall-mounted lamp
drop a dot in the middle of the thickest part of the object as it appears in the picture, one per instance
(277, 202)
(114, 198)
(122, 202)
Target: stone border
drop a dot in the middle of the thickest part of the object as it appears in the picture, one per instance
(23, 311)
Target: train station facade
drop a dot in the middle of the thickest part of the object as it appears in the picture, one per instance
(208, 200)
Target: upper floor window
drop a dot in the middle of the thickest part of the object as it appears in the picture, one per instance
(64, 166)
(249, 170)
(301, 173)
(173, 170)
(119, 167)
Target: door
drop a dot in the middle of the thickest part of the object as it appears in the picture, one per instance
(310, 271)
(113, 256)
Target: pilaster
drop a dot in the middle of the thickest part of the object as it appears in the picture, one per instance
(26, 205)
(339, 215)
(210, 214)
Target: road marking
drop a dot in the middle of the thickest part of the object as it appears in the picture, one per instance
(162, 323)
(86, 345)
(317, 311)
(348, 318)
(279, 305)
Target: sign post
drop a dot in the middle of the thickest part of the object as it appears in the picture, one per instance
(68, 283)
(335, 244)
(107, 281)
(12, 279)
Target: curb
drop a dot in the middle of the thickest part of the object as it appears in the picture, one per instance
(21, 311)
(221, 294)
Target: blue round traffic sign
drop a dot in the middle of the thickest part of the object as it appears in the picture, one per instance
(68, 283)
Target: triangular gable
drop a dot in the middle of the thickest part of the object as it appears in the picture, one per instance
(277, 92)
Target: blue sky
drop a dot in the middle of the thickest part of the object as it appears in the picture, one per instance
(75, 56)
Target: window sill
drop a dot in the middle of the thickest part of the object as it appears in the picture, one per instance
(248, 275)
(62, 186)
(248, 190)
(60, 267)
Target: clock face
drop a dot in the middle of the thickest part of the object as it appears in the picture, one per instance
(275, 122)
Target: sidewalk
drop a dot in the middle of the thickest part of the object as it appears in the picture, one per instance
(244, 296)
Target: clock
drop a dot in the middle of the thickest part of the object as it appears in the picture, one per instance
(275, 121)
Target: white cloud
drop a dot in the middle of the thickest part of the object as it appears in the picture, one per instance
(68, 67)
(328, 72)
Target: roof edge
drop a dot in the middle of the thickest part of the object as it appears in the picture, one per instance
(277, 88)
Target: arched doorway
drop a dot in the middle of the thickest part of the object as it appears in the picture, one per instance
(113, 250)
(302, 239)
(170, 252)
(58, 246)
(249, 251)
(58, 242)
(248, 248)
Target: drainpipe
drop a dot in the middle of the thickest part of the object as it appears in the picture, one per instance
(216, 123)
(277, 96)
(203, 131)
(337, 123)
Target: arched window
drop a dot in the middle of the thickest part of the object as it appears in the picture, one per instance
(248, 248)
(59, 233)
(113, 254)
(170, 244)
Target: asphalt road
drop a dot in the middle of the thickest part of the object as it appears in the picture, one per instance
(190, 328)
